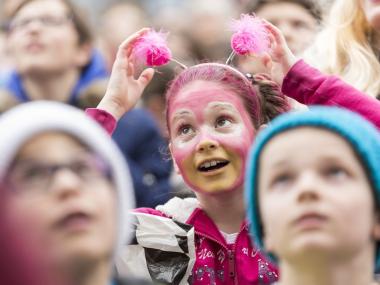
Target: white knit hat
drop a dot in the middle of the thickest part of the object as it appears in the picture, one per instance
(27, 120)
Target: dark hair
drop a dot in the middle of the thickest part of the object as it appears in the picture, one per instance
(79, 20)
(273, 101)
(262, 97)
(310, 5)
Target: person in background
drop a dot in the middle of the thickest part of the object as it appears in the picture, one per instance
(206, 26)
(52, 48)
(117, 22)
(50, 45)
(5, 60)
(298, 20)
(352, 31)
(309, 86)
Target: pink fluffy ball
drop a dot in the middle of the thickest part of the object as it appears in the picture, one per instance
(151, 49)
(250, 35)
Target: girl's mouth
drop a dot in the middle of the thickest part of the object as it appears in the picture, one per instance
(211, 165)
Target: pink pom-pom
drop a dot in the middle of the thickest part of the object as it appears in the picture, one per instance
(250, 35)
(151, 49)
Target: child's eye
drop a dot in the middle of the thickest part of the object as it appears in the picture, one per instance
(281, 180)
(223, 122)
(299, 25)
(336, 172)
(185, 130)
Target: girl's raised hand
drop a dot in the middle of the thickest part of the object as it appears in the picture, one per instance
(280, 58)
(123, 90)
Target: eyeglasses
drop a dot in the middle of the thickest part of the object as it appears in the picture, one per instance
(46, 20)
(35, 176)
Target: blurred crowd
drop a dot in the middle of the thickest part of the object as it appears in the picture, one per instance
(63, 51)
(198, 32)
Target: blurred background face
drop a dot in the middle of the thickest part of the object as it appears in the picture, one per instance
(298, 26)
(118, 23)
(372, 13)
(208, 23)
(312, 190)
(295, 22)
(43, 40)
(64, 189)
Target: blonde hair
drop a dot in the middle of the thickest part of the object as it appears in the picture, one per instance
(343, 47)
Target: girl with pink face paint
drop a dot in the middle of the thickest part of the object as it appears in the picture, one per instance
(213, 114)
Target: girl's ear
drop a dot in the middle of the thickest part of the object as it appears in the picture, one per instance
(176, 168)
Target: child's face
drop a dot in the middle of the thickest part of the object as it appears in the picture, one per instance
(210, 133)
(295, 22)
(43, 38)
(314, 196)
(73, 208)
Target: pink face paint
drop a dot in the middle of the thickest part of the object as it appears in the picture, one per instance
(211, 132)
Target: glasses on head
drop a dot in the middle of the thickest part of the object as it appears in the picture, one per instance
(45, 20)
(37, 176)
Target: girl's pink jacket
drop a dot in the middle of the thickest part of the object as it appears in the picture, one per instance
(216, 261)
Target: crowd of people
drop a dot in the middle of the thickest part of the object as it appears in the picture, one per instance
(200, 171)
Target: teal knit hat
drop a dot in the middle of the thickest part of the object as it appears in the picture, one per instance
(363, 137)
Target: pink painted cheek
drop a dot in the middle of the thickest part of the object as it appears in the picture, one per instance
(181, 151)
(240, 144)
(180, 154)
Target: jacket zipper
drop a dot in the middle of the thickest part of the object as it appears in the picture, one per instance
(231, 264)
(231, 254)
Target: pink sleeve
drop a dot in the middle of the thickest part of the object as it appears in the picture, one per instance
(309, 86)
(105, 119)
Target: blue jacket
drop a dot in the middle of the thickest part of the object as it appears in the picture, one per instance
(139, 139)
(95, 70)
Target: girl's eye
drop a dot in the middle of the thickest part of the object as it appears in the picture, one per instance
(185, 130)
(223, 122)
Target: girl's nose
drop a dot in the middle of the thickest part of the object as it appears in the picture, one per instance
(207, 144)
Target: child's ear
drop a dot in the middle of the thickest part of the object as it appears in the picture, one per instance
(176, 168)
